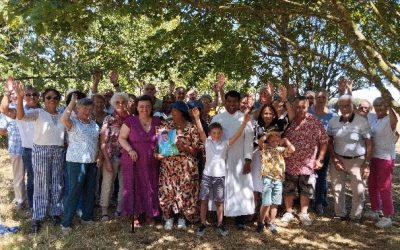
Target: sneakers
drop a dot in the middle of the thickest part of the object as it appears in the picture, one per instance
(305, 219)
(36, 225)
(105, 217)
(260, 227)
(371, 215)
(201, 230)
(65, 230)
(56, 220)
(168, 224)
(272, 228)
(181, 224)
(286, 218)
(222, 230)
(87, 222)
(384, 222)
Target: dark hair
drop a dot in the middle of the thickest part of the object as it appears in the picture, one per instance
(234, 94)
(58, 94)
(260, 120)
(300, 98)
(132, 96)
(98, 96)
(80, 95)
(144, 98)
(214, 125)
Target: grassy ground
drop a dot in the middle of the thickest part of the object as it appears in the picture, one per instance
(325, 233)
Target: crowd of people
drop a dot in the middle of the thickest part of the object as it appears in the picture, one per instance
(179, 156)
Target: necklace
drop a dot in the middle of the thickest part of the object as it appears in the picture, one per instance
(145, 124)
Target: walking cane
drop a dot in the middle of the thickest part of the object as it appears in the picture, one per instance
(133, 193)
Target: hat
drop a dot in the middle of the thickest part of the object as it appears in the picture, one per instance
(195, 104)
(181, 106)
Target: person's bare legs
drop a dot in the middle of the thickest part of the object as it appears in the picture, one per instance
(273, 213)
(203, 211)
(289, 203)
(220, 212)
(304, 203)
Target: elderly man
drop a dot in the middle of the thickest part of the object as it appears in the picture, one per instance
(308, 136)
(150, 90)
(238, 183)
(351, 151)
(364, 108)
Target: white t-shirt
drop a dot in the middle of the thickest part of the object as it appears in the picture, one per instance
(215, 158)
(48, 129)
(383, 136)
(26, 130)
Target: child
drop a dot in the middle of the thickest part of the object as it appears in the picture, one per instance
(213, 181)
(166, 144)
(272, 171)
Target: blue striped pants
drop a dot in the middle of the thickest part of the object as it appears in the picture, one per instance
(48, 164)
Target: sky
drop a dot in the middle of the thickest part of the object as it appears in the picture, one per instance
(371, 93)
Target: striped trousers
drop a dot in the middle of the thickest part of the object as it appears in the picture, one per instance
(48, 165)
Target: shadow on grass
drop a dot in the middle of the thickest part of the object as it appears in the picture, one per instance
(325, 233)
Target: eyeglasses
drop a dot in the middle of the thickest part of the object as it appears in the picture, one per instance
(31, 94)
(54, 98)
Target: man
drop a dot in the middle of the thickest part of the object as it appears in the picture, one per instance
(308, 136)
(351, 151)
(150, 90)
(364, 108)
(192, 95)
(311, 98)
(180, 94)
(238, 183)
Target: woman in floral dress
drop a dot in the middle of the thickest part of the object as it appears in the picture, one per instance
(179, 179)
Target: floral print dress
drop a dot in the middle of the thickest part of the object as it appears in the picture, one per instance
(179, 178)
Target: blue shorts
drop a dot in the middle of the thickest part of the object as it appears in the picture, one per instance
(272, 192)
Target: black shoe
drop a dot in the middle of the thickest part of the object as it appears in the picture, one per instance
(201, 230)
(56, 220)
(35, 227)
(260, 227)
(222, 230)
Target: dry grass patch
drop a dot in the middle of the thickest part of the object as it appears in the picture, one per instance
(325, 233)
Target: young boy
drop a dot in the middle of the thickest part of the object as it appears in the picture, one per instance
(213, 181)
(272, 171)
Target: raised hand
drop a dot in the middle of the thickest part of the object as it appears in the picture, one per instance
(97, 76)
(19, 90)
(9, 84)
(269, 88)
(221, 79)
(247, 115)
(283, 93)
(114, 77)
(196, 113)
(349, 86)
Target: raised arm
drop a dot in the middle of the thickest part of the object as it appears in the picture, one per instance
(97, 75)
(196, 115)
(289, 107)
(66, 116)
(289, 146)
(393, 118)
(20, 91)
(239, 132)
(4, 106)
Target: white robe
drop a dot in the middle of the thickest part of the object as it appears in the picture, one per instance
(238, 187)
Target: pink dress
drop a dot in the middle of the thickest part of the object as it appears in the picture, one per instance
(140, 190)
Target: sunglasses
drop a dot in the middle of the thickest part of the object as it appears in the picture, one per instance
(55, 98)
(31, 94)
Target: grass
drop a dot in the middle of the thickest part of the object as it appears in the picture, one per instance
(325, 233)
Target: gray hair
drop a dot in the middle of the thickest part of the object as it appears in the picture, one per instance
(346, 97)
(379, 101)
(119, 94)
(84, 102)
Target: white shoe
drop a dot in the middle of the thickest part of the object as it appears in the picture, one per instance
(286, 218)
(305, 219)
(384, 222)
(65, 230)
(371, 215)
(168, 224)
(181, 224)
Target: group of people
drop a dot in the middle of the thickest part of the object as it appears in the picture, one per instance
(243, 160)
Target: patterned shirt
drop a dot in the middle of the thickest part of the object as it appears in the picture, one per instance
(273, 163)
(82, 141)
(306, 136)
(14, 137)
(110, 129)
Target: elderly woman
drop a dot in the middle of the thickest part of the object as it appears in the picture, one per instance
(383, 125)
(111, 150)
(83, 135)
(139, 167)
(179, 186)
(47, 155)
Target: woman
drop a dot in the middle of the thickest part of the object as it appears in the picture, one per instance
(83, 136)
(47, 155)
(179, 186)
(324, 115)
(268, 119)
(99, 112)
(139, 167)
(111, 150)
(383, 125)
